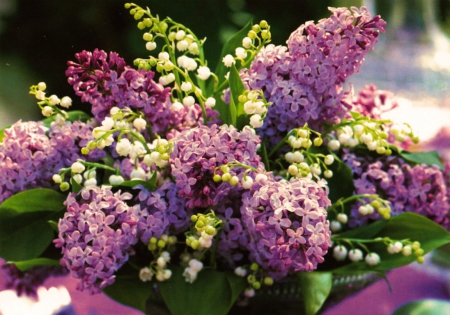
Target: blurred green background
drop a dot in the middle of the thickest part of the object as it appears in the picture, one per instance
(38, 37)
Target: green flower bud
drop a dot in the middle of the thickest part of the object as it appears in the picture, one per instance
(217, 178)
(318, 142)
(256, 285)
(254, 267)
(263, 24)
(64, 186)
(161, 244)
(252, 34)
(256, 28)
(268, 281)
(242, 98)
(141, 25)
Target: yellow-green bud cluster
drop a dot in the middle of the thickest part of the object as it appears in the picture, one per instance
(256, 277)
(204, 228)
(49, 105)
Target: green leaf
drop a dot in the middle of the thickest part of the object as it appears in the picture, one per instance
(28, 264)
(210, 293)
(315, 288)
(75, 186)
(424, 307)
(74, 115)
(129, 290)
(33, 200)
(237, 285)
(407, 225)
(341, 183)
(224, 111)
(2, 132)
(24, 229)
(148, 184)
(238, 116)
(229, 48)
(429, 158)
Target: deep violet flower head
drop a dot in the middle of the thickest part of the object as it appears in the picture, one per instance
(31, 153)
(96, 235)
(421, 188)
(105, 81)
(287, 224)
(304, 80)
(197, 154)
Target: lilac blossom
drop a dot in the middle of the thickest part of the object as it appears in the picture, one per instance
(105, 81)
(96, 235)
(420, 188)
(197, 154)
(304, 80)
(287, 225)
(31, 153)
(27, 282)
(163, 212)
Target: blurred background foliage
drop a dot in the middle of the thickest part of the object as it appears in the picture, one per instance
(38, 37)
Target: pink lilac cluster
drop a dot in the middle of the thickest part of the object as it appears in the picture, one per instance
(287, 224)
(163, 212)
(27, 282)
(197, 154)
(421, 188)
(105, 81)
(305, 80)
(96, 235)
(31, 153)
(372, 102)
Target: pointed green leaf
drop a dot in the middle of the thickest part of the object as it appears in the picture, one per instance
(407, 225)
(239, 118)
(33, 200)
(429, 158)
(24, 229)
(315, 288)
(229, 48)
(424, 307)
(210, 293)
(28, 264)
(341, 183)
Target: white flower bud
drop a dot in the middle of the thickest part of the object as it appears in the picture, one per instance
(260, 178)
(150, 46)
(328, 173)
(138, 173)
(203, 73)
(298, 157)
(329, 159)
(210, 102)
(193, 48)
(182, 45)
(53, 100)
(164, 56)
(115, 179)
(334, 145)
(247, 42)
(196, 265)
(188, 101)
(342, 217)
(145, 274)
(247, 182)
(186, 86)
(335, 226)
(90, 182)
(42, 86)
(123, 147)
(256, 121)
(228, 60)
(78, 178)
(77, 168)
(47, 111)
(355, 254)
(372, 259)
(340, 252)
(240, 271)
(139, 123)
(289, 157)
(40, 95)
(57, 178)
(240, 53)
(180, 35)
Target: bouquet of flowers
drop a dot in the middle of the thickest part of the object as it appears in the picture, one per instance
(194, 189)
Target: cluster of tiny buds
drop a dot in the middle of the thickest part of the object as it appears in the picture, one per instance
(300, 167)
(259, 32)
(191, 271)
(78, 173)
(379, 205)
(205, 228)
(254, 105)
(48, 105)
(336, 225)
(158, 266)
(222, 174)
(340, 253)
(255, 278)
(406, 248)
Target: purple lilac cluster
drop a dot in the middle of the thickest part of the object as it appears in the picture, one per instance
(305, 82)
(105, 81)
(163, 212)
(197, 154)
(96, 235)
(421, 188)
(31, 153)
(234, 238)
(287, 225)
(27, 282)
